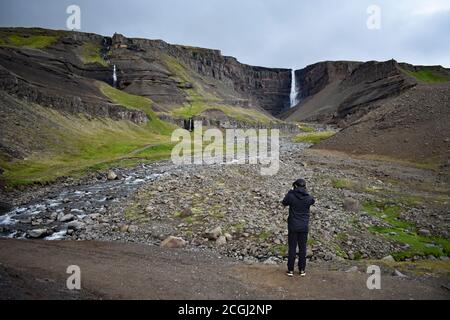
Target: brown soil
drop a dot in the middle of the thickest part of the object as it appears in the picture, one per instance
(128, 271)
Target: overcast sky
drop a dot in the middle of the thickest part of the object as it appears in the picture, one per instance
(272, 33)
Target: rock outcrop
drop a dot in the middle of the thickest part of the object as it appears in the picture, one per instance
(344, 91)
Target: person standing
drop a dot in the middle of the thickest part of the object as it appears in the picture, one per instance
(299, 202)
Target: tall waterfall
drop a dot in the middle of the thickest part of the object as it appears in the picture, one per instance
(293, 95)
(114, 76)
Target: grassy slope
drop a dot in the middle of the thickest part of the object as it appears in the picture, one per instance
(428, 75)
(90, 53)
(79, 144)
(199, 100)
(29, 38)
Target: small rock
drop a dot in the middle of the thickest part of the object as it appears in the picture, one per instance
(133, 229)
(124, 228)
(112, 175)
(270, 261)
(173, 242)
(389, 258)
(424, 232)
(66, 218)
(351, 205)
(228, 236)
(399, 274)
(352, 269)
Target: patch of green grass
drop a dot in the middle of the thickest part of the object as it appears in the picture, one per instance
(132, 101)
(405, 232)
(280, 249)
(74, 145)
(28, 41)
(264, 235)
(343, 184)
(428, 76)
(90, 53)
(306, 128)
(313, 137)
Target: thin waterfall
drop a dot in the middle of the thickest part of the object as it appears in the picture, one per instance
(293, 95)
(114, 76)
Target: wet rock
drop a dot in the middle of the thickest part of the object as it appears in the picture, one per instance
(4, 207)
(270, 261)
(173, 242)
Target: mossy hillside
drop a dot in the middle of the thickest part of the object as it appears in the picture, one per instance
(91, 53)
(131, 101)
(404, 232)
(313, 137)
(33, 38)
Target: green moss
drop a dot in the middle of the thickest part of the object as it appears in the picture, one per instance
(28, 41)
(429, 75)
(405, 232)
(264, 235)
(343, 184)
(313, 137)
(90, 53)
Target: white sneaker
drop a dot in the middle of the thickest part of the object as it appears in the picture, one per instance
(290, 273)
(302, 273)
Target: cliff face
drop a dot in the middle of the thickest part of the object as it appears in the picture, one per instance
(343, 91)
(166, 73)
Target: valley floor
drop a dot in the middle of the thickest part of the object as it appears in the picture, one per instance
(367, 212)
(111, 270)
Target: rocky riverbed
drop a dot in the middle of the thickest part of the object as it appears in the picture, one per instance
(234, 210)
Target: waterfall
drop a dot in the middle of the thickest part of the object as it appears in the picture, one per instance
(293, 95)
(114, 76)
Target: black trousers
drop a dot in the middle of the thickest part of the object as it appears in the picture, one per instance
(297, 239)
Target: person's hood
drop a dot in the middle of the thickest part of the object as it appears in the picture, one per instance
(301, 192)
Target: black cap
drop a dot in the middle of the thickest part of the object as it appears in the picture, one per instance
(299, 183)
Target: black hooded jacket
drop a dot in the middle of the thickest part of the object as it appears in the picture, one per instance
(299, 202)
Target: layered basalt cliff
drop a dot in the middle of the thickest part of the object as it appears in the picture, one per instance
(165, 73)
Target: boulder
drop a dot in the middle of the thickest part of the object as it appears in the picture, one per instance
(37, 233)
(132, 229)
(352, 269)
(75, 225)
(173, 242)
(214, 234)
(351, 205)
(112, 175)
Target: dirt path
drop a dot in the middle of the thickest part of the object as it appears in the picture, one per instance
(37, 270)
